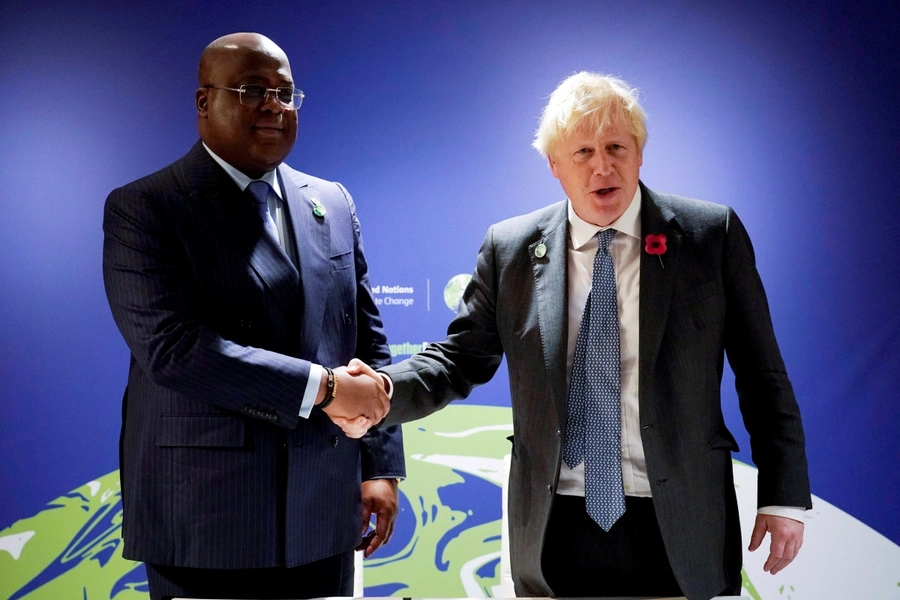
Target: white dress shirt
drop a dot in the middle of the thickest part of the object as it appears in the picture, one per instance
(279, 216)
(276, 205)
(625, 250)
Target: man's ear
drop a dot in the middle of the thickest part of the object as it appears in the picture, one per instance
(552, 166)
(202, 102)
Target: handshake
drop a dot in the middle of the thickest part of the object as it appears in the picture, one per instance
(358, 400)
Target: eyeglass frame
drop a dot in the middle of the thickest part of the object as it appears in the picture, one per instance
(294, 105)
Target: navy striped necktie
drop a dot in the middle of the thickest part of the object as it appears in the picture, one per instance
(593, 433)
(259, 191)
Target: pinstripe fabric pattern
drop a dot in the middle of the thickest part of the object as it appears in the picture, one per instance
(218, 470)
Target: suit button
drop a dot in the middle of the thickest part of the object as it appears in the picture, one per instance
(334, 441)
(557, 433)
(348, 319)
(549, 490)
(284, 446)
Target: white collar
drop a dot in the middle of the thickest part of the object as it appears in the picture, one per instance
(242, 180)
(629, 222)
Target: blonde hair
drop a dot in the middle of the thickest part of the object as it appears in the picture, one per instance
(590, 100)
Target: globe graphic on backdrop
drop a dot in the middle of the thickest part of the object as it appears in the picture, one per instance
(454, 289)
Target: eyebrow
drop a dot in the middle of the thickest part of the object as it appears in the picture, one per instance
(261, 80)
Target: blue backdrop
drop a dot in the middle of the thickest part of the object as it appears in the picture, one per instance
(425, 111)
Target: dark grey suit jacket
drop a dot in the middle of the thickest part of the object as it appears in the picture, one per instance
(707, 301)
(218, 470)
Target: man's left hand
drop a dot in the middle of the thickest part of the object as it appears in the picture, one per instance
(787, 537)
(381, 498)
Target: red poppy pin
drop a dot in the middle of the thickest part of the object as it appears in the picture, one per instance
(656, 245)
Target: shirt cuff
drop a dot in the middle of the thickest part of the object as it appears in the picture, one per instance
(389, 385)
(791, 512)
(312, 390)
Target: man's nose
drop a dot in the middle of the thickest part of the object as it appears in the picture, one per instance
(270, 103)
(602, 163)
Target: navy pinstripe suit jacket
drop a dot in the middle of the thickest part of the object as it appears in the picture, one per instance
(218, 469)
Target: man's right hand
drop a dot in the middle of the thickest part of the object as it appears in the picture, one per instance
(360, 400)
(353, 428)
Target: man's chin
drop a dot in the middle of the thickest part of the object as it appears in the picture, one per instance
(267, 157)
(602, 210)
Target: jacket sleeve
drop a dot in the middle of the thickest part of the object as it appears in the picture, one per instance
(154, 297)
(766, 397)
(471, 354)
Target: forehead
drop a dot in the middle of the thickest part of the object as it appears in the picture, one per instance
(587, 130)
(245, 64)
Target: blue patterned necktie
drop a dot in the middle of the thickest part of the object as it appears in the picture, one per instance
(593, 432)
(260, 191)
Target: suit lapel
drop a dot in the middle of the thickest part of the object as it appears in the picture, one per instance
(657, 281)
(231, 212)
(312, 235)
(551, 293)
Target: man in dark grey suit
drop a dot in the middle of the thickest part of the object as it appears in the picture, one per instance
(237, 283)
(621, 478)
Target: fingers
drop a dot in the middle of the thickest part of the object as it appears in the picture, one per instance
(789, 553)
(365, 543)
(352, 428)
(360, 399)
(759, 532)
(380, 497)
(375, 542)
(357, 395)
(358, 367)
(786, 543)
(365, 394)
(366, 516)
(786, 540)
(776, 552)
(384, 529)
(388, 530)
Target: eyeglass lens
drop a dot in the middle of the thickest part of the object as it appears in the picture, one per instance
(254, 94)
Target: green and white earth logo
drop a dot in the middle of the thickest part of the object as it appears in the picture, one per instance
(454, 289)
(448, 536)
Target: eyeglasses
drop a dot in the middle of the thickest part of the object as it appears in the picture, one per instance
(254, 95)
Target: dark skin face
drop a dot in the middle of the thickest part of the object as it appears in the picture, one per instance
(254, 140)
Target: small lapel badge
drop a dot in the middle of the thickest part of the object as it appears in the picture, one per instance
(318, 207)
(540, 250)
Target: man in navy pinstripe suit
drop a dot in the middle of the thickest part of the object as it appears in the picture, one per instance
(236, 305)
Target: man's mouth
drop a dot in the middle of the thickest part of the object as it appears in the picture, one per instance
(268, 131)
(605, 191)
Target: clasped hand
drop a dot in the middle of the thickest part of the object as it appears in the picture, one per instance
(360, 400)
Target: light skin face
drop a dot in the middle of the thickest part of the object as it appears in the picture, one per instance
(598, 172)
(254, 140)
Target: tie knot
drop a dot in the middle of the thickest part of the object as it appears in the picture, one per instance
(260, 191)
(604, 238)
